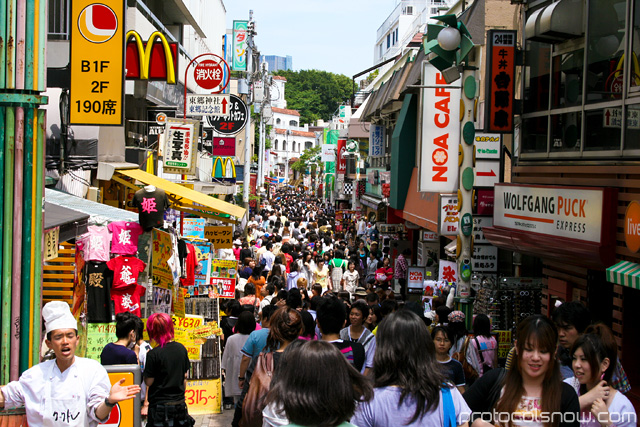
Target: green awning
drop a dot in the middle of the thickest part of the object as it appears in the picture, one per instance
(625, 273)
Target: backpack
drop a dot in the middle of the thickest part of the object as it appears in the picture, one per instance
(470, 373)
(258, 388)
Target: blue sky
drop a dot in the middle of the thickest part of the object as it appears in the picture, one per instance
(329, 35)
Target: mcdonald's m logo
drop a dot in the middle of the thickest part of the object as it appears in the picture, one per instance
(224, 168)
(155, 59)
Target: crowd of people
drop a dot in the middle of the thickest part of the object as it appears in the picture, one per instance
(317, 336)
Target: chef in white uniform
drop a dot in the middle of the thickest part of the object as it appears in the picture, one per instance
(69, 390)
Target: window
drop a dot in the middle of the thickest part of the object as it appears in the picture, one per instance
(567, 78)
(278, 121)
(58, 28)
(276, 145)
(605, 50)
(308, 144)
(284, 146)
(293, 123)
(388, 41)
(537, 75)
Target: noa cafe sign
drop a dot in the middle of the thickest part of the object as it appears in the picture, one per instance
(570, 212)
(632, 226)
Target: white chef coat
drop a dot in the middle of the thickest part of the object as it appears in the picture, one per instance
(54, 398)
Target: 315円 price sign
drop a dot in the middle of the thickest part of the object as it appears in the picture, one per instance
(97, 62)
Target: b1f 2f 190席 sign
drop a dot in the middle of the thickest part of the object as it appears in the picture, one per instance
(440, 133)
(96, 94)
(567, 212)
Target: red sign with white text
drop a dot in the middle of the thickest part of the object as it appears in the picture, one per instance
(341, 166)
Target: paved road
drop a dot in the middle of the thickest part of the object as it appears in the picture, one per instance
(215, 420)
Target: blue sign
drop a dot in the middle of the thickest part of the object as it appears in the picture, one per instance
(376, 141)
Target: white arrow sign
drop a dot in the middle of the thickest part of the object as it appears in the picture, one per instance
(487, 173)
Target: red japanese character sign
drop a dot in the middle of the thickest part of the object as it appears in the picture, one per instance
(208, 74)
(500, 84)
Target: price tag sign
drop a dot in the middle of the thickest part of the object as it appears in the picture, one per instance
(204, 396)
(51, 242)
(96, 96)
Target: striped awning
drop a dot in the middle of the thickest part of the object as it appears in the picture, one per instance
(625, 273)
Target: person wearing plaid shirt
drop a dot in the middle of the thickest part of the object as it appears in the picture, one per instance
(401, 269)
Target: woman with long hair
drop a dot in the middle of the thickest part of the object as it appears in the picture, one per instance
(165, 375)
(531, 391)
(321, 274)
(303, 394)
(410, 387)
(594, 356)
(307, 265)
(482, 352)
(285, 326)
(231, 357)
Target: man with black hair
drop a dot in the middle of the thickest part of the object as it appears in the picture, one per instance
(267, 295)
(268, 258)
(120, 352)
(372, 299)
(331, 318)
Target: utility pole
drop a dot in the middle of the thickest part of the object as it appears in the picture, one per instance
(247, 131)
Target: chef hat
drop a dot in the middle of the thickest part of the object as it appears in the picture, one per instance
(57, 315)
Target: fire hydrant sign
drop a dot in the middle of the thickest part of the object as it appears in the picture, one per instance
(208, 105)
(181, 146)
(96, 96)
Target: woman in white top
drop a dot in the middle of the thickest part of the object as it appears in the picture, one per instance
(594, 357)
(351, 278)
(232, 356)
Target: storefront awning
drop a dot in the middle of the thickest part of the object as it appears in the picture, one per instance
(625, 273)
(185, 199)
(372, 202)
(72, 223)
(421, 208)
(98, 213)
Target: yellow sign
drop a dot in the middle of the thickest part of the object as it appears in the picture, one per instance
(204, 396)
(51, 242)
(221, 237)
(223, 167)
(184, 328)
(178, 301)
(161, 252)
(122, 414)
(96, 95)
(99, 335)
(504, 343)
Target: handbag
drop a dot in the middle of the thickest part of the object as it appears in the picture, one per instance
(258, 387)
(485, 368)
(470, 374)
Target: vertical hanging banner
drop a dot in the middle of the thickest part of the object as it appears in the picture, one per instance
(501, 55)
(341, 167)
(239, 45)
(96, 95)
(376, 140)
(440, 132)
(181, 146)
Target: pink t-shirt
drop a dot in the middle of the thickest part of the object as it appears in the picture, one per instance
(488, 348)
(125, 237)
(95, 244)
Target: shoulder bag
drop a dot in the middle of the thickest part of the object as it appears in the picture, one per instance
(470, 374)
(259, 385)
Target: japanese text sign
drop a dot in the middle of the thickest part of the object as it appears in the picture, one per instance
(440, 132)
(51, 242)
(485, 258)
(223, 278)
(376, 141)
(96, 94)
(204, 396)
(193, 227)
(448, 215)
(501, 53)
(162, 250)
(99, 335)
(181, 146)
(208, 105)
(239, 53)
(184, 328)
(220, 236)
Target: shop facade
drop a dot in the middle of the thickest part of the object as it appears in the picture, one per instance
(579, 138)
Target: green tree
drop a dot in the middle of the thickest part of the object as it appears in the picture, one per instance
(316, 94)
(302, 165)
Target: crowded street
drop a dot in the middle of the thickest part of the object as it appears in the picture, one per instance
(371, 213)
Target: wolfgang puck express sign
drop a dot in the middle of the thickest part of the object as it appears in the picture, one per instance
(575, 213)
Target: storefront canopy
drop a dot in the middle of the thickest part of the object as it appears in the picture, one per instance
(420, 208)
(72, 223)
(97, 212)
(185, 199)
(625, 273)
